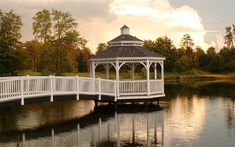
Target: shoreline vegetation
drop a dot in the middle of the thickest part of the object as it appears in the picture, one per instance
(193, 75)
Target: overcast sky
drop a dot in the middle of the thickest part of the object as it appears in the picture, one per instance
(100, 20)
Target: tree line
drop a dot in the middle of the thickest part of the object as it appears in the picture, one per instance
(58, 47)
(188, 56)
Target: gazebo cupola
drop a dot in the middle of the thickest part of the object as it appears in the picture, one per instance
(128, 50)
(125, 39)
(124, 30)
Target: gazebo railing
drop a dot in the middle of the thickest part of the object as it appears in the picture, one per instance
(156, 86)
(133, 87)
(139, 87)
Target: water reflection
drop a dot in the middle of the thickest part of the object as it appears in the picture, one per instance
(101, 127)
(195, 114)
(186, 120)
(200, 114)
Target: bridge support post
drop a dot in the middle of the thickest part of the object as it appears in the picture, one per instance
(148, 81)
(22, 90)
(115, 91)
(99, 89)
(51, 87)
(23, 139)
(77, 83)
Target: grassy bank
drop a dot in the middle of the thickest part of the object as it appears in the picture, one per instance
(198, 75)
(184, 76)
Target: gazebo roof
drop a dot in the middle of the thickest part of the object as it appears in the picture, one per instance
(126, 45)
(125, 37)
(126, 51)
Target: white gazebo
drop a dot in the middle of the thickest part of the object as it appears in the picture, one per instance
(128, 50)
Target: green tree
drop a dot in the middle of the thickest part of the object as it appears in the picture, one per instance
(186, 42)
(199, 58)
(187, 50)
(10, 28)
(183, 64)
(101, 47)
(165, 47)
(214, 63)
(42, 25)
(80, 61)
(228, 59)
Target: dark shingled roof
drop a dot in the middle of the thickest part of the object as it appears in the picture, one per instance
(126, 51)
(125, 37)
(124, 27)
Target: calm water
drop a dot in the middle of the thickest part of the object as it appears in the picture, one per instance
(194, 114)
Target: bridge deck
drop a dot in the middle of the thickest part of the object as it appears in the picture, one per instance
(30, 87)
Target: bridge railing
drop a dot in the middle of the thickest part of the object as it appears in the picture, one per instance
(10, 88)
(34, 86)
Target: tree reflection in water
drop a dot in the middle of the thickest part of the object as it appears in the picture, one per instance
(101, 127)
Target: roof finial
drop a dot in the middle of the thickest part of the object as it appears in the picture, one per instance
(124, 30)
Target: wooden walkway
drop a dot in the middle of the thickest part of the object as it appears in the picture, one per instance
(30, 87)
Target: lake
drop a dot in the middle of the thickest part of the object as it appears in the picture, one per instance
(194, 114)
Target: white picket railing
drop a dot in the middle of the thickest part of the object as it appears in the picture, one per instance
(35, 86)
(156, 86)
(137, 87)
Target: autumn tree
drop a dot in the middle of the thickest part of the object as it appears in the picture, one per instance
(32, 53)
(57, 31)
(86, 55)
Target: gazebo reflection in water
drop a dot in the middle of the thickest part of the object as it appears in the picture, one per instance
(103, 127)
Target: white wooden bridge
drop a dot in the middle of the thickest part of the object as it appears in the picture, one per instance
(32, 87)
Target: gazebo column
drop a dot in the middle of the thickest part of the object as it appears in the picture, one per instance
(92, 70)
(117, 79)
(147, 77)
(162, 70)
(132, 71)
(107, 71)
(155, 71)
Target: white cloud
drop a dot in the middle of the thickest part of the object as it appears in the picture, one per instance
(149, 19)
(99, 21)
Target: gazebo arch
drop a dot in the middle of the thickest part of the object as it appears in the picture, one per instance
(127, 49)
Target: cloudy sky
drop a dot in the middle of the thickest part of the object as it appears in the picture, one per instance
(100, 20)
